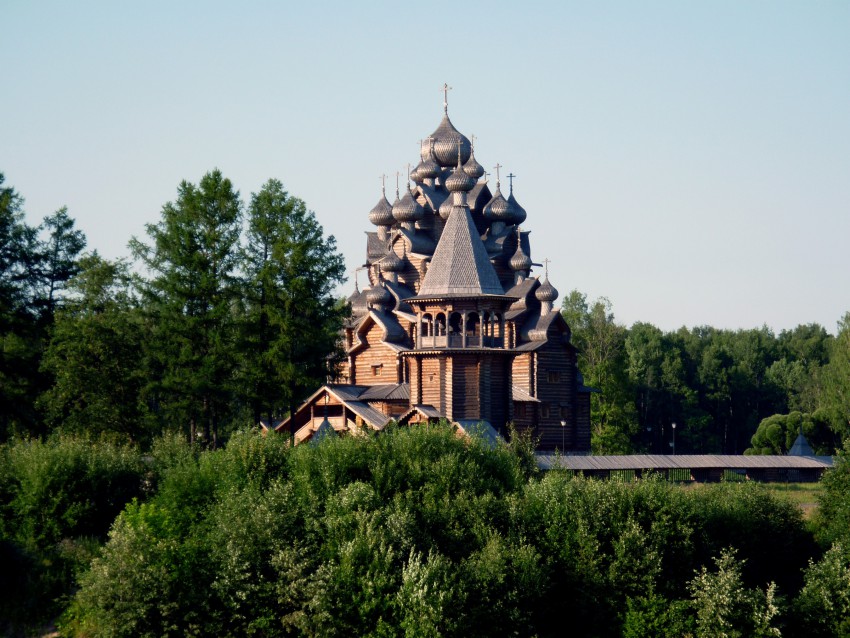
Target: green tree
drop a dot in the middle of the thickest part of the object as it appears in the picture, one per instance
(94, 355)
(602, 361)
(835, 398)
(190, 300)
(20, 332)
(292, 320)
(59, 259)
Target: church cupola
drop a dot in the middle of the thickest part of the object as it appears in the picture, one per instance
(382, 214)
(378, 297)
(546, 294)
(392, 264)
(498, 211)
(520, 262)
(518, 213)
(407, 211)
(448, 141)
(472, 167)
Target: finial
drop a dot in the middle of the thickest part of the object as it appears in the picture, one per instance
(458, 155)
(472, 143)
(397, 175)
(384, 184)
(518, 234)
(546, 263)
(511, 178)
(486, 175)
(408, 176)
(446, 88)
(356, 282)
(497, 167)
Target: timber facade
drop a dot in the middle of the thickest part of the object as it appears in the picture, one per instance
(453, 325)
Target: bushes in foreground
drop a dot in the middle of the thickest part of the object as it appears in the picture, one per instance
(419, 533)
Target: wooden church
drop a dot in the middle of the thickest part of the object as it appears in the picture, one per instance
(453, 326)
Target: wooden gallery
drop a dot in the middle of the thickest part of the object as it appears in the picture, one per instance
(453, 325)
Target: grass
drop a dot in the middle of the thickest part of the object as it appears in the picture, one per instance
(803, 495)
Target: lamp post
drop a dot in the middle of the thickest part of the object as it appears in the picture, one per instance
(563, 429)
(673, 442)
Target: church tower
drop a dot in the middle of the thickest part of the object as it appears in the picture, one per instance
(452, 324)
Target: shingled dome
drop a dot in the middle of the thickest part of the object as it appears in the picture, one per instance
(460, 266)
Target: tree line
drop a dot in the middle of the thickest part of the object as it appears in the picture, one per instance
(727, 391)
(227, 314)
(228, 317)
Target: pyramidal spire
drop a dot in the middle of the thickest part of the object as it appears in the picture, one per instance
(460, 265)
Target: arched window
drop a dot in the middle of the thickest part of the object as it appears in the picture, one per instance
(427, 325)
(473, 324)
(440, 325)
(455, 323)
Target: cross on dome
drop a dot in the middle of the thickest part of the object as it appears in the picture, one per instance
(446, 88)
(511, 180)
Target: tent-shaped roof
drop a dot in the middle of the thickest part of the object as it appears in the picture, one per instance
(460, 266)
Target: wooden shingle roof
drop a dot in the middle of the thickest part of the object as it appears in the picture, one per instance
(460, 266)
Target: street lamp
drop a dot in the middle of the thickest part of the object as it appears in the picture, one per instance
(673, 442)
(563, 428)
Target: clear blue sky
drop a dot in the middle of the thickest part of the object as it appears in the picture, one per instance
(688, 160)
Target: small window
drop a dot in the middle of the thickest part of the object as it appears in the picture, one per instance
(376, 369)
(553, 376)
(544, 410)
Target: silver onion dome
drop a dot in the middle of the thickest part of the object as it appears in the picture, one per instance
(546, 292)
(415, 174)
(518, 212)
(520, 261)
(408, 209)
(459, 180)
(392, 263)
(378, 296)
(382, 213)
(498, 209)
(447, 141)
(473, 168)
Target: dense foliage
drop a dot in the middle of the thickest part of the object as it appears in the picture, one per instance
(221, 326)
(731, 392)
(416, 532)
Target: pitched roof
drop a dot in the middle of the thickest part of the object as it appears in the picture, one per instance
(801, 447)
(460, 266)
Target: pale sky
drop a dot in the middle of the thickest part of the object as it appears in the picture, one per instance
(688, 160)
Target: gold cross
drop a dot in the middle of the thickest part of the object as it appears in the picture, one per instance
(497, 167)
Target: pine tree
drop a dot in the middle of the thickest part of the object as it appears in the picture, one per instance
(292, 320)
(190, 302)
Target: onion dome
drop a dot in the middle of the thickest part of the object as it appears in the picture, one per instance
(428, 169)
(382, 213)
(519, 214)
(546, 291)
(415, 174)
(378, 296)
(392, 263)
(498, 209)
(445, 209)
(459, 180)
(520, 261)
(447, 141)
(408, 209)
(473, 168)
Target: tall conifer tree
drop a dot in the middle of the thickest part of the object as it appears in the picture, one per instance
(292, 320)
(192, 257)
